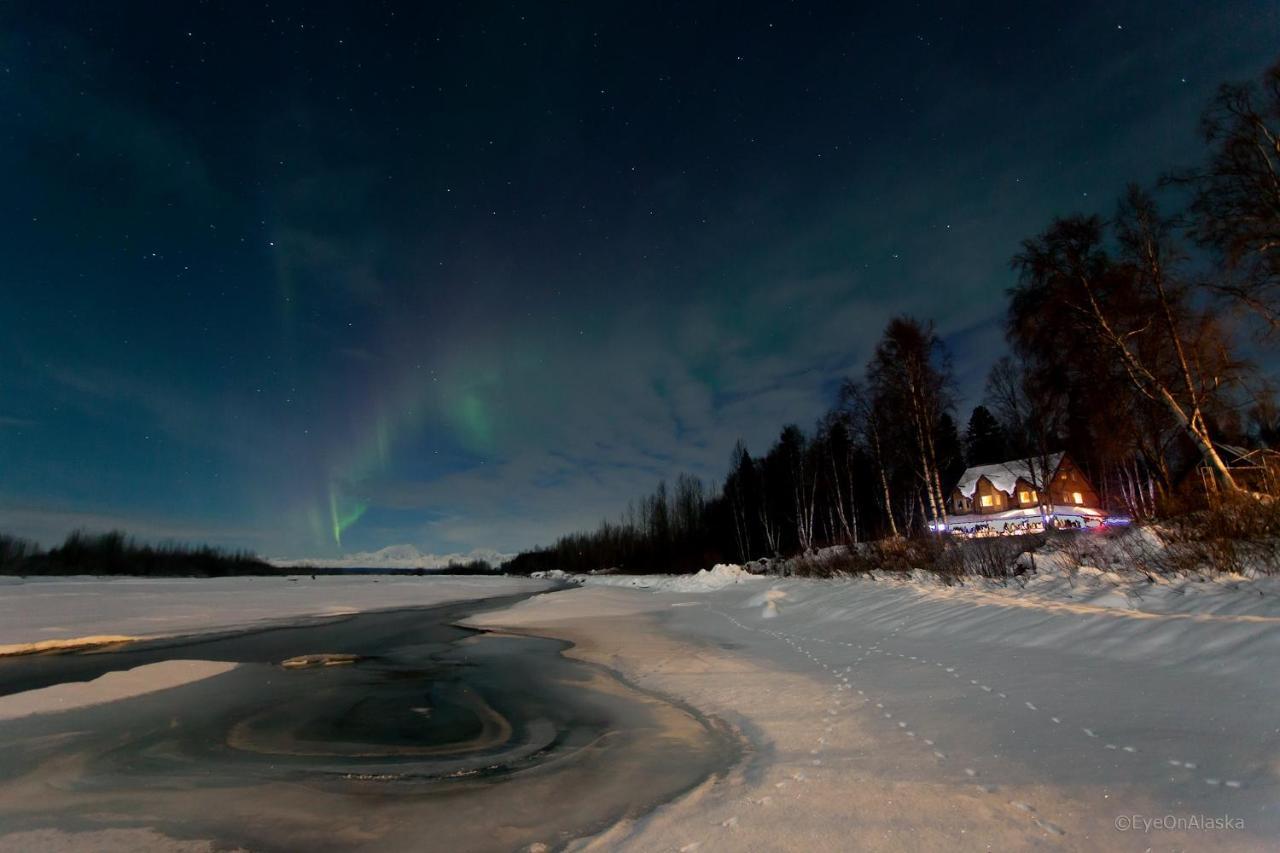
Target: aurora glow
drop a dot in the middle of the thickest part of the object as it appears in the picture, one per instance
(341, 517)
(319, 279)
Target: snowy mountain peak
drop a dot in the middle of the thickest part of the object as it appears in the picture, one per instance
(394, 557)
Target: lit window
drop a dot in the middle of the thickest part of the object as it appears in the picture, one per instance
(986, 500)
(1027, 496)
(1077, 497)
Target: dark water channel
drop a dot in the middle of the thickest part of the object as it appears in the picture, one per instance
(432, 737)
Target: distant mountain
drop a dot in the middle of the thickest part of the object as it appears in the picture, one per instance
(392, 557)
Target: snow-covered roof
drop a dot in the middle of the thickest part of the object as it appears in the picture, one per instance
(1004, 475)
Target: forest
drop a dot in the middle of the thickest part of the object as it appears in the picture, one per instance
(116, 554)
(1128, 347)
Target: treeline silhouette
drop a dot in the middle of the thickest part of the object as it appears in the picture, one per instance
(1122, 352)
(115, 553)
(871, 468)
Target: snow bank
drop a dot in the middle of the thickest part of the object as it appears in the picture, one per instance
(110, 687)
(556, 575)
(1213, 626)
(1124, 569)
(1088, 571)
(717, 577)
(1085, 589)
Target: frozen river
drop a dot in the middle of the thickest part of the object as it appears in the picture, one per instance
(382, 730)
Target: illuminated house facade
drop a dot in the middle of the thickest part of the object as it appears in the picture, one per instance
(1014, 492)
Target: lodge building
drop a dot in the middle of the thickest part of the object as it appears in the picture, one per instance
(1011, 495)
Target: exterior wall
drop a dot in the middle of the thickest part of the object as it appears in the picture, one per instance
(1033, 498)
(999, 500)
(1069, 479)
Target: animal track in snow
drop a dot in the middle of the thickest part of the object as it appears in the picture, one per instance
(842, 682)
(1051, 828)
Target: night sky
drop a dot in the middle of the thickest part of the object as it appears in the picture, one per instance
(313, 278)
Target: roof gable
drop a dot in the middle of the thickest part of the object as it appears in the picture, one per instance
(1005, 475)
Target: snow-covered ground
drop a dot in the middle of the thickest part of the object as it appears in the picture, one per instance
(38, 613)
(905, 714)
(1067, 709)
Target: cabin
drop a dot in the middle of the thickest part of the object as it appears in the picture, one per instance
(1013, 496)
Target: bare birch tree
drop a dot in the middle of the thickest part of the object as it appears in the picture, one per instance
(1067, 263)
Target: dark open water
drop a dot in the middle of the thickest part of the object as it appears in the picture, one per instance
(436, 737)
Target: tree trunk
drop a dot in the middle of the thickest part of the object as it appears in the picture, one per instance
(1154, 388)
(740, 528)
(884, 481)
(927, 472)
(839, 500)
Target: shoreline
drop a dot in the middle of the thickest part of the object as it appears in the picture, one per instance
(81, 660)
